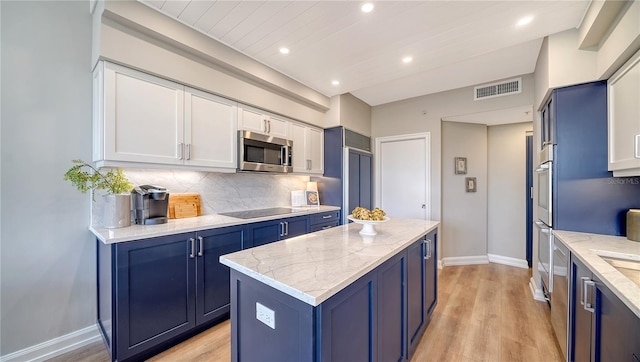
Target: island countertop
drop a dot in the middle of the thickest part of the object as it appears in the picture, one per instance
(314, 267)
(586, 247)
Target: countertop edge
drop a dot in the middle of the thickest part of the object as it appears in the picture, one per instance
(580, 246)
(318, 299)
(186, 225)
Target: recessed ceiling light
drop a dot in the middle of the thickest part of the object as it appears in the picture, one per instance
(524, 21)
(335, 82)
(367, 7)
(407, 59)
(284, 50)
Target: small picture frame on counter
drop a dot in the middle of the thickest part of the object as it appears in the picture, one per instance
(460, 164)
(470, 184)
(312, 198)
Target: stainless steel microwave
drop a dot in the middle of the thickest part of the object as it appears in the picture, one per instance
(259, 152)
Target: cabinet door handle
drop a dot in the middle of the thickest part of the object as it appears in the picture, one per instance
(266, 128)
(180, 148)
(281, 229)
(200, 246)
(188, 151)
(269, 124)
(286, 226)
(327, 216)
(327, 227)
(425, 254)
(635, 146)
(586, 283)
(192, 254)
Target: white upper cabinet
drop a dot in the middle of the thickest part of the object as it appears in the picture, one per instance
(211, 130)
(256, 120)
(308, 149)
(624, 119)
(142, 119)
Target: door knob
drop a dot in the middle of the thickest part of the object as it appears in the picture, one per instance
(424, 206)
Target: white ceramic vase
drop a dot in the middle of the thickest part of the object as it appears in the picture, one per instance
(117, 211)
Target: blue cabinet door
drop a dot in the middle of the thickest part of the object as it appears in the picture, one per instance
(580, 318)
(617, 328)
(212, 289)
(392, 309)
(431, 274)
(269, 231)
(265, 232)
(347, 323)
(155, 297)
(359, 180)
(416, 274)
(295, 226)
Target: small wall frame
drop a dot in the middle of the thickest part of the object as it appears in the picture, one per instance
(460, 165)
(470, 184)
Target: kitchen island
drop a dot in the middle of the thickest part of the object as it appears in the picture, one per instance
(335, 294)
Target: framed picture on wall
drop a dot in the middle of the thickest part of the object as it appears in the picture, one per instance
(460, 165)
(470, 184)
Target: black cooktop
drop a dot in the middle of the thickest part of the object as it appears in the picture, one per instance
(250, 214)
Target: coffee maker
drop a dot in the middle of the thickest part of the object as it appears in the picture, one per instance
(149, 205)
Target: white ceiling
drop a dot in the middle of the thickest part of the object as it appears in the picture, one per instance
(453, 43)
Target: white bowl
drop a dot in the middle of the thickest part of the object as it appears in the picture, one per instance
(367, 225)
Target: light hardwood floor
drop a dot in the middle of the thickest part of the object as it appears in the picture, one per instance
(484, 313)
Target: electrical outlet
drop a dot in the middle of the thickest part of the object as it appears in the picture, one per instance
(266, 315)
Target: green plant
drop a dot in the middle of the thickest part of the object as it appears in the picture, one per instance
(86, 177)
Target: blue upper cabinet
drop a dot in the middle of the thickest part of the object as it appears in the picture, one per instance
(586, 197)
(348, 169)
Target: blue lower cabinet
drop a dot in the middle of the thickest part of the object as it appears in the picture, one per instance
(212, 289)
(266, 232)
(421, 287)
(391, 309)
(367, 321)
(601, 326)
(153, 293)
(323, 221)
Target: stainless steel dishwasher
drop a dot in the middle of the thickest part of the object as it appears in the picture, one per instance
(560, 294)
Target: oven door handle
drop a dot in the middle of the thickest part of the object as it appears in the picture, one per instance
(543, 167)
(543, 228)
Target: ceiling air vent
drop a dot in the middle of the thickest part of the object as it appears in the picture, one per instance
(511, 86)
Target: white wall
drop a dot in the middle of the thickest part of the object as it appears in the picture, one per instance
(48, 255)
(464, 214)
(424, 114)
(506, 231)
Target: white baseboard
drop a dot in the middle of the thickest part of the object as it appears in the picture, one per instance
(536, 292)
(499, 259)
(465, 260)
(440, 264)
(56, 346)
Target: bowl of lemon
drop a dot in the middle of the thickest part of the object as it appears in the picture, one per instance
(368, 219)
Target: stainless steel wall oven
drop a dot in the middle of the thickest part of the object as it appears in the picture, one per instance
(545, 218)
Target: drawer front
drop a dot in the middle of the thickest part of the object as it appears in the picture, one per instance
(324, 217)
(329, 225)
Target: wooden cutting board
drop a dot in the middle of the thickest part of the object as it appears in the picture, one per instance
(184, 205)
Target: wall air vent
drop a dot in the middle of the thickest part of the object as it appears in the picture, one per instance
(507, 87)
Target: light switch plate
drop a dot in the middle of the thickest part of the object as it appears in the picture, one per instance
(266, 315)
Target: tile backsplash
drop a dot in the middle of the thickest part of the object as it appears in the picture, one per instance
(219, 192)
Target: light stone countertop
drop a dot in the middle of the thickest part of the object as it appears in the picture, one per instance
(583, 246)
(314, 267)
(191, 224)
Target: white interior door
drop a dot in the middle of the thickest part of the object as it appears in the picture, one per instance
(403, 175)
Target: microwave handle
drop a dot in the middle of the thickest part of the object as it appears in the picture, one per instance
(284, 152)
